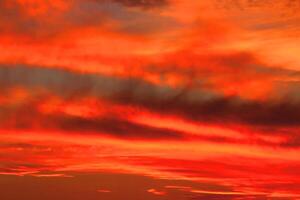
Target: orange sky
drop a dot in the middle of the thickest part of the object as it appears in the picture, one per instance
(150, 99)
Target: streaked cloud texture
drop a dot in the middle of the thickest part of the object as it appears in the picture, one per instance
(150, 99)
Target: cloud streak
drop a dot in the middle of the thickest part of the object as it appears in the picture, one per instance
(201, 104)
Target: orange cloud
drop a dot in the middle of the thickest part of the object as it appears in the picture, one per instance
(156, 192)
(154, 88)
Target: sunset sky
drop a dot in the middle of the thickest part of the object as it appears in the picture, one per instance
(149, 100)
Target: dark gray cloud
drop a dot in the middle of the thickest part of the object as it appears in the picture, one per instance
(114, 127)
(14, 18)
(191, 103)
(143, 3)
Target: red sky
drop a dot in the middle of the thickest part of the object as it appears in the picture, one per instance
(149, 99)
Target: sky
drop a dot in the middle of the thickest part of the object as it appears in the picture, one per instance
(149, 99)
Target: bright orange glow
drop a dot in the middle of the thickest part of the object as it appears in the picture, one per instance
(156, 99)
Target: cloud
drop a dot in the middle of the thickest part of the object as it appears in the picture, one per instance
(40, 20)
(198, 104)
(103, 191)
(115, 127)
(206, 100)
(143, 3)
(245, 168)
(156, 192)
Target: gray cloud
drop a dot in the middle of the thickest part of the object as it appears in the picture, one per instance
(82, 14)
(193, 103)
(143, 3)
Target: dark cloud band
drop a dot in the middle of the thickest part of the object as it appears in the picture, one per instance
(198, 105)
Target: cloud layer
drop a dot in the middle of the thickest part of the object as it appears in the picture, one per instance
(153, 88)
